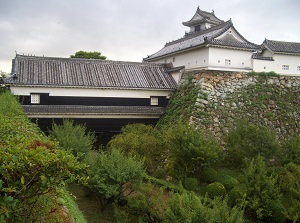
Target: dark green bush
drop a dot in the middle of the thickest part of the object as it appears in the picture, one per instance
(191, 184)
(144, 141)
(278, 213)
(247, 141)
(211, 175)
(262, 190)
(191, 151)
(237, 194)
(290, 152)
(216, 189)
(288, 179)
(73, 137)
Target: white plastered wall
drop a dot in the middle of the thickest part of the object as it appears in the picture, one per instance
(86, 92)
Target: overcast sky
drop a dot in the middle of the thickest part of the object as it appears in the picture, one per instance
(129, 30)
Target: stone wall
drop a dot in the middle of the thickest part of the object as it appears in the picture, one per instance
(224, 98)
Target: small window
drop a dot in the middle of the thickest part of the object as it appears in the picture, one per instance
(197, 28)
(173, 59)
(154, 100)
(298, 68)
(35, 99)
(285, 67)
(227, 62)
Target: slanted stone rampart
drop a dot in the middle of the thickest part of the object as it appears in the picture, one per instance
(224, 98)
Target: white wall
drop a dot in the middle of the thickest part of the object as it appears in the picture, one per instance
(263, 65)
(291, 60)
(190, 59)
(239, 59)
(79, 92)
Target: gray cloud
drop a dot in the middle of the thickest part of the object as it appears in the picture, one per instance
(129, 29)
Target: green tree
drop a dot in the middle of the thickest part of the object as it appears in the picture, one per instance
(191, 151)
(263, 196)
(73, 137)
(144, 141)
(112, 173)
(88, 55)
(246, 141)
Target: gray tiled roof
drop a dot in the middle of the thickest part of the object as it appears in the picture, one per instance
(282, 47)
(203, 38)
(201, 15)
(89, 73)
(91, 110)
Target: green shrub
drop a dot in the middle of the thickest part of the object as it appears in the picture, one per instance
(191, 184)
(262, 190)
(144, 141)
(290, 152)
(31, 164)
(211, 175)
(188, 207)
(247, 141)
(73, 137)
(111, 170)
(216, 189)
(278, 213)
(288, 179)
(237, 194)
(191, 151)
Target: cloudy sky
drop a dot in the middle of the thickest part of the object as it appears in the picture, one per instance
(129, 30)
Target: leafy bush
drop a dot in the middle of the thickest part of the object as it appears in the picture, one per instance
(247, 141)
(211, 175)
(237, 194)
(187, 207)
(191, 151)
(31, 164)
(73, 137)
(191, 184)
(290, 152)
(111, 170)
(289, 180)
(144, 141)
(216, 189)
(262, 191)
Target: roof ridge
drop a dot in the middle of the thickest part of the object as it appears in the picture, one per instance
(87, 60)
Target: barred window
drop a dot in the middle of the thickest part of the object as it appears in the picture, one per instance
(285, 67)
(35, 98)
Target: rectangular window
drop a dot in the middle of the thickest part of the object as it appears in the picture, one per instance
(35, 98)
(173, 59)
(154, 100)
(285, 67)
(227, 62)
(197, 28)
(298, 68)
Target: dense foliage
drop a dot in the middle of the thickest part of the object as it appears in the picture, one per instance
(31, 164)
(88, 55)
(73, 138)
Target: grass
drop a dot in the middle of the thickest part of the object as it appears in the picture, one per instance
(89, 205)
